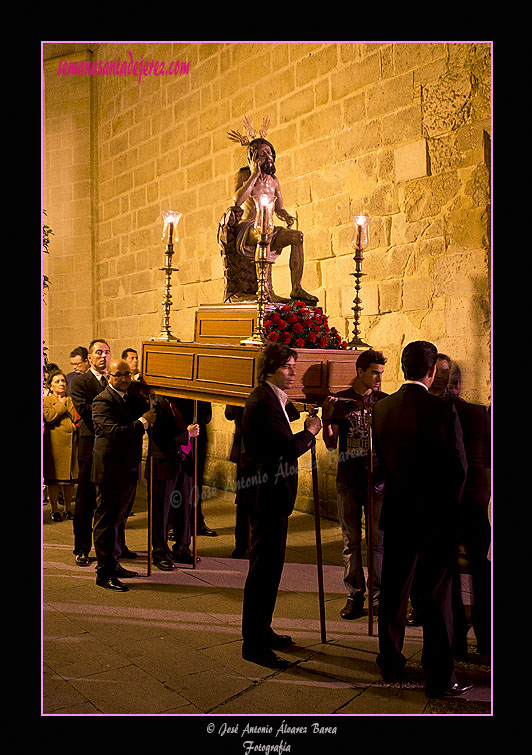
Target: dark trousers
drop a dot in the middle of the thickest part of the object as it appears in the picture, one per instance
(242, 528)
(113, 498)
(182, 511)
(266, 561)
(242, 520)
(475, 534)
(352, 500)
(162, 501)
(200, 471)
(84, 508)
(433, 563)
(173, 501)
(122, 525)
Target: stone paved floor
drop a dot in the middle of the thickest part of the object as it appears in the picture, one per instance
(172, 646)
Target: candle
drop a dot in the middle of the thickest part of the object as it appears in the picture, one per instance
(263, 204)
(360, 236)
(263, 214)
(171, 219)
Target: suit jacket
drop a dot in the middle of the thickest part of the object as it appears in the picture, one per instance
(235, 413)
(418, 439)
(270, 451)
(118, 435)
(169, 434)
(83, 389)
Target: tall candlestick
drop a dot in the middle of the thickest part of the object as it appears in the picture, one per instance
(171, 219)
(359, 243)
(263, 225)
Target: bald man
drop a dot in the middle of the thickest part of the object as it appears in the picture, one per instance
(121, 416)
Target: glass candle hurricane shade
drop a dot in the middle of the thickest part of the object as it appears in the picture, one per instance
(264, 206)
(360, 233)
(171, 219)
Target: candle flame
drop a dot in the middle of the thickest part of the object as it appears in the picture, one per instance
(171, 219)
(360, 236)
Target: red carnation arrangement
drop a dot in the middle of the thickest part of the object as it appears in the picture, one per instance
(302, 327)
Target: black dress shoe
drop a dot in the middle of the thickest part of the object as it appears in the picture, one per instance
(184, 557)
(82, 559)
(126, 553)
(125, 573)
(111, 583)
(392, 676)
(413, 619)
(455, 690)
(279, 641)
(164, 564)
(353, 609)
(264, 657)
(392, 673)
(204, 530)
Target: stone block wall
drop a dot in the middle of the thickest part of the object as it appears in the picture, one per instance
(68, 198)
(400, 131)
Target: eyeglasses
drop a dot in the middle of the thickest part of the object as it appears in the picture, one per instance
(119, 374)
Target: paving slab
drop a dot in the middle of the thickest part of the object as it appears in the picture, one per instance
(171, 645)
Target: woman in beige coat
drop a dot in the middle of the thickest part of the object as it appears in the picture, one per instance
(60, 444)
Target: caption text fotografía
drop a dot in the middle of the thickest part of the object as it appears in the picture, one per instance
(250, 746)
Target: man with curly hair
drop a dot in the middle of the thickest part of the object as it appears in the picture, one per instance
(270, 474)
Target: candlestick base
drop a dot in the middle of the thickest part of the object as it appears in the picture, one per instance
(358, 343)
(255, 339)
(166, 336)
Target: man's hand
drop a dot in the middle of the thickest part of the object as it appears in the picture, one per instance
(255, 165)
(313, 424)
(285, 216)
(193, 431)
(327, 409)
(150, 416)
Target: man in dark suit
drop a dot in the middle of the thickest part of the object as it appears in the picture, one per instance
(242, 523)
(172, 467)
(418, 439)
(83, 389)
(79, 360)
(121, 415)
(269, 472)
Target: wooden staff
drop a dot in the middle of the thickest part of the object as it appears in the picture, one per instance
(317, 527)
(369, 525)
(319, 564)
(150, 499)
(195, 519)
(153, 401)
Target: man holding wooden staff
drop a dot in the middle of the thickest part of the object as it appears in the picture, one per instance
(270, 474)
(345, 424)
